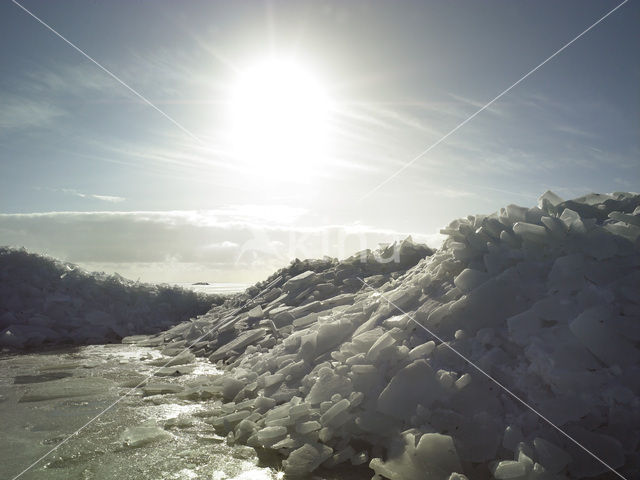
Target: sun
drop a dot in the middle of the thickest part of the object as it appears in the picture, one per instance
(279, 119)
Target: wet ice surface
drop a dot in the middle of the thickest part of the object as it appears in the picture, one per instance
(46, 397)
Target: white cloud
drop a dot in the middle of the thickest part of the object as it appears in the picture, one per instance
(104, 198)
(20, 112)
(494, 108)
(171, 246)
(74, 78)
(107, 198)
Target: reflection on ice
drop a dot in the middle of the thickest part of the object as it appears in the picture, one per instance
(144, 435)
(152, 436)
(170, 411)
(252, 474)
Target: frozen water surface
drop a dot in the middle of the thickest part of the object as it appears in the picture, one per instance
(46, 397)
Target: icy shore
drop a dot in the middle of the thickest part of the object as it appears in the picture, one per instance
(330, 363)
(326, 370)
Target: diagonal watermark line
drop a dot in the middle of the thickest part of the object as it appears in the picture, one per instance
(479, 369)
(112, 75)
(500, 95)
(395, 174)
(142, 382)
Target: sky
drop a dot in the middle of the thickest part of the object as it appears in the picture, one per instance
(232, 137)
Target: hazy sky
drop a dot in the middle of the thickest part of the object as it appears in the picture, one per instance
(134, 192)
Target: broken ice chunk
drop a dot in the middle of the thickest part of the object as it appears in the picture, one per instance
(270, 435)
(263, 404)
(422, 351)
(556, 308)
(239, 343)
(300, 282)
(359, 458)
(512, 437)
(446, 379)
(550, 198)
(434, 457)
(593, 328)
(463, 381)
(414, 384)
(334, 411)
(573, 221)
(339, 457)
(229, 421)
(338, 300)
(557, 228)
(256, 313)
(514, 213)
(161, 388)
(509, 469)
(384, 342)
(281, 316)
(66, 388)
(626, 218)
(230, 387)
(457, 476)
(479, 436)
(363, 341)
(174, 371)
(270, 380)
(306, 459)
(327, 384)
(609, 450)
(182, 358)
(308, 427)
(567, 274)
(531, 232)
(397, 321)
(402, 298)
(509, 239)
(331, 334)
(523, 325)
(552, 458)
(143, 435)
(470, 279)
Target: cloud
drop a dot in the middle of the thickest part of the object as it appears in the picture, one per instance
(76, 79)
(231, 244)
(477, 105)
(37, 96)
(103, 198)
(573, 130)
(19, 112)
(106, 198)
(90, 196)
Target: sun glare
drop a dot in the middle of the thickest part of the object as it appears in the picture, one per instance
(279, 119)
